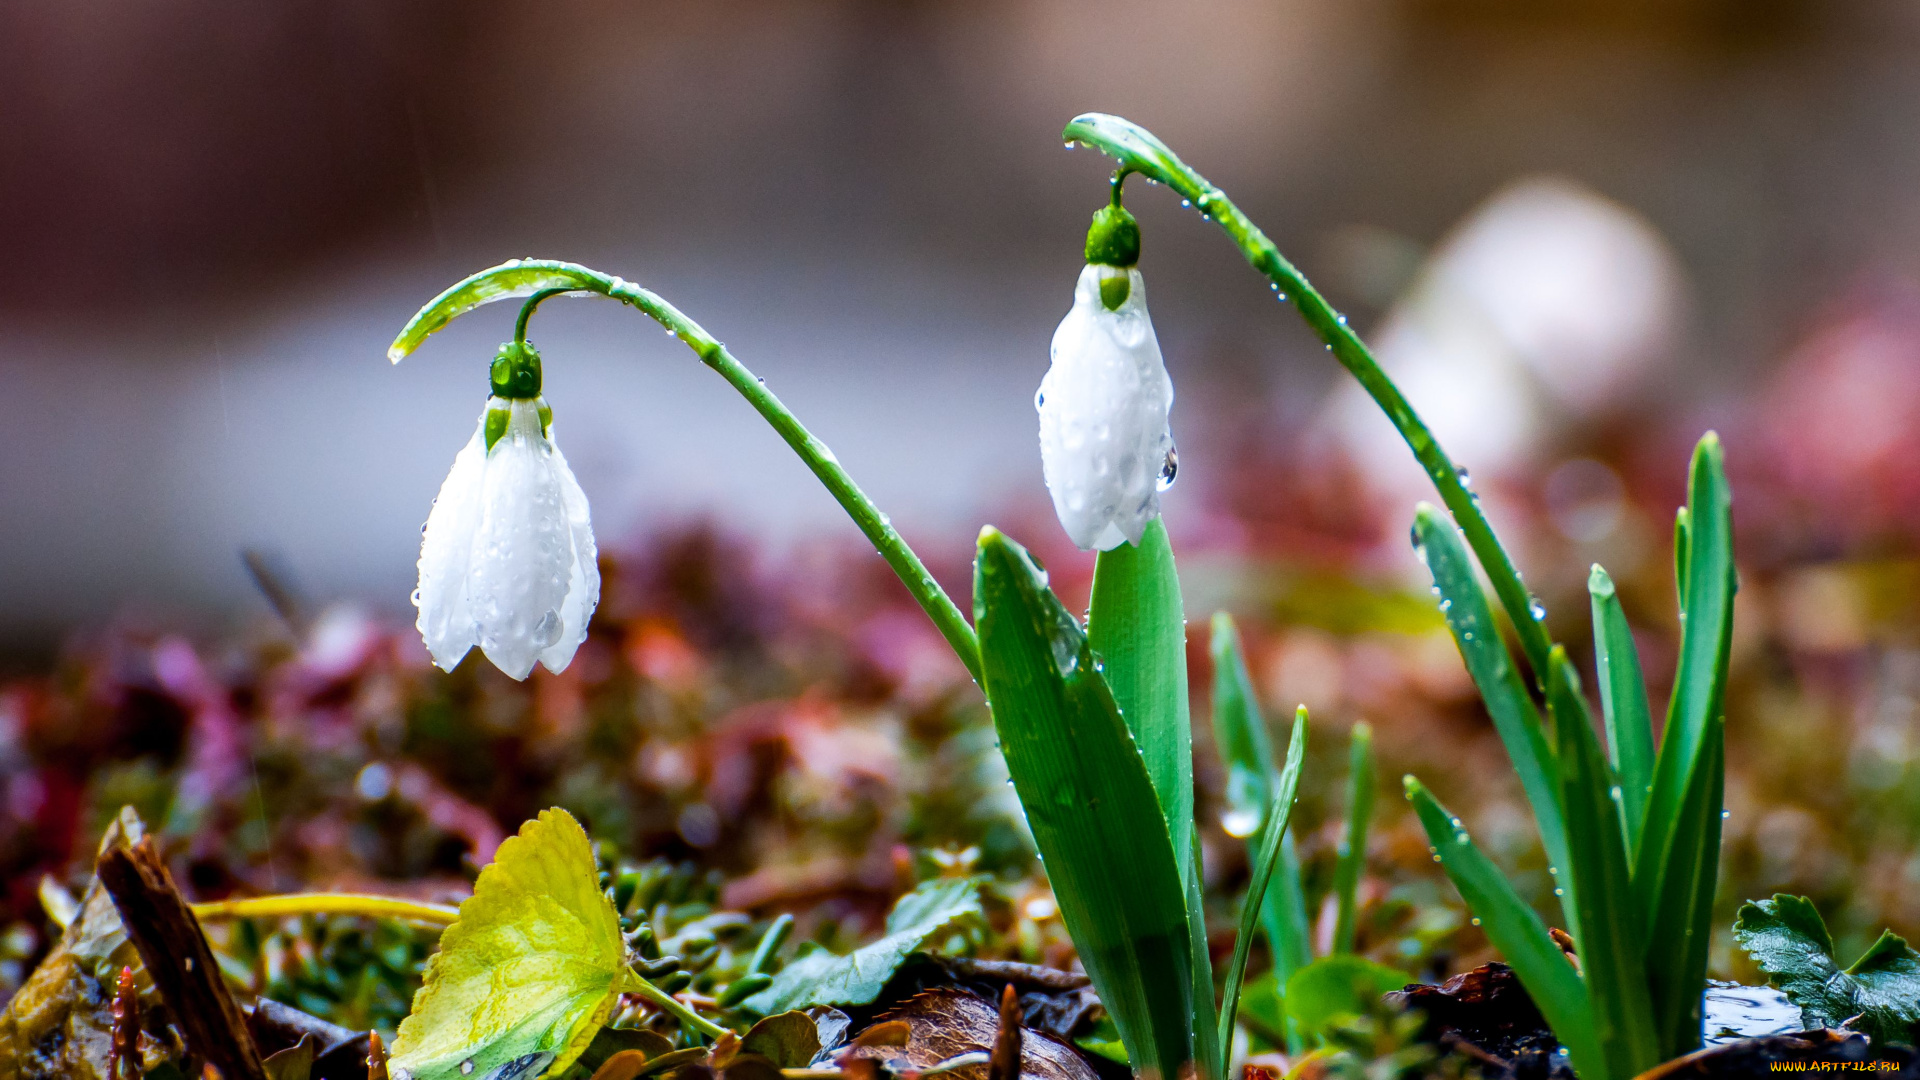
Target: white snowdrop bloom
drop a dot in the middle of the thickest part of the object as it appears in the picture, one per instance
(507, 561)
(1104, 441)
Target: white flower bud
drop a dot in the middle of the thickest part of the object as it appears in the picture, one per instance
(508, 561)
(1104, 440)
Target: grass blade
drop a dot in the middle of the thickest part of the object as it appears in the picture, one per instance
(1707, 588)
(1353, 849)
(1682, 923)
(1517, 932)
(1240, 733)
(1279, 815)
(1623, 701)
(1138, 629)
(1607, 924)
(1091, 807)
(1204, 1019)
(1491, 666)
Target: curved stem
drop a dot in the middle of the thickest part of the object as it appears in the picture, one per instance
(1139, 151)
(526, 312)
(534, 277)
(292, 904)
(638, 984)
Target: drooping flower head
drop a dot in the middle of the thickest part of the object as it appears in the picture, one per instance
(507, 561)
(1105, 445)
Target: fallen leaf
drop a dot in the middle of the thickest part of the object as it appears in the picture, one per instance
(530, 971)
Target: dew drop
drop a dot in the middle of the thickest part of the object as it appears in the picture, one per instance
(1465, 477)
(1476, 921)
(1169, 469)
(466, 1067)
(1536, 609)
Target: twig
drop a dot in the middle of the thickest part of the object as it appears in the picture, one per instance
(162, 929)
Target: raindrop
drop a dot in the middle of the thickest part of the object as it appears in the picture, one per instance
(1536, 609)
(1726, 813)
(1039, 399)
(1476, 921)
(1169, 469)
(1342, 320)
(416, 598)
(466, 1067)
(1465, 477)
(1559, 892)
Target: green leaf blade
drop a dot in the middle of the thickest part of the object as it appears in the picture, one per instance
(528, 973)
(1512, 710)
(1137, 626)
(1789, 940)
(1353, 846)
(1680, 927)
(1623, 703)
(1278, 816)
(1517, 932)
(1240, 733)
(1705, 562)
(1607, 922)
(1092, 808)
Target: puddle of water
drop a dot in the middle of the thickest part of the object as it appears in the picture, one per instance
(1736, 1012)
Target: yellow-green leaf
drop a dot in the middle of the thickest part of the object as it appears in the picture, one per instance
(530, 971)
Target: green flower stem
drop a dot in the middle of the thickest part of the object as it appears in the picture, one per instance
(351, 904)
(1139, 151)
(638, 984)
(540, 278)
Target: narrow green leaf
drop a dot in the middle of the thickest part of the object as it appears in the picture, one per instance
(1092, 809)
(1681, 545)
(1705, 559)
(1278, 816)
(1138, 629)
(1681, 926)
(1607, 924)
(1240, 733)
(823, 978)
(1677, 862)
(1205, 1019)
(1517, 932)
(1623, 701)
(1514, 716)
(1353, 848)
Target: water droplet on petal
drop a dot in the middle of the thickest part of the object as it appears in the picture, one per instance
(1169, 469)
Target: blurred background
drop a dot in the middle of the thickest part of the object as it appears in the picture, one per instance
(1580, 233)
(215, 220)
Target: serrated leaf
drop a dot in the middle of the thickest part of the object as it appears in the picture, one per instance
(825, 978)
(530, 971)
(1788, 939)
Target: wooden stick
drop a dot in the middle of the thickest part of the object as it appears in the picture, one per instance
(163, 930)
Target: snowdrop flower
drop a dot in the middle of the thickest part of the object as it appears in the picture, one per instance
(507, 561)
(1104, 441)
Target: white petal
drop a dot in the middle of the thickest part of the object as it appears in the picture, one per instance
(522, 550)
(583, 587)
(446, 622)
(1103, 410)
